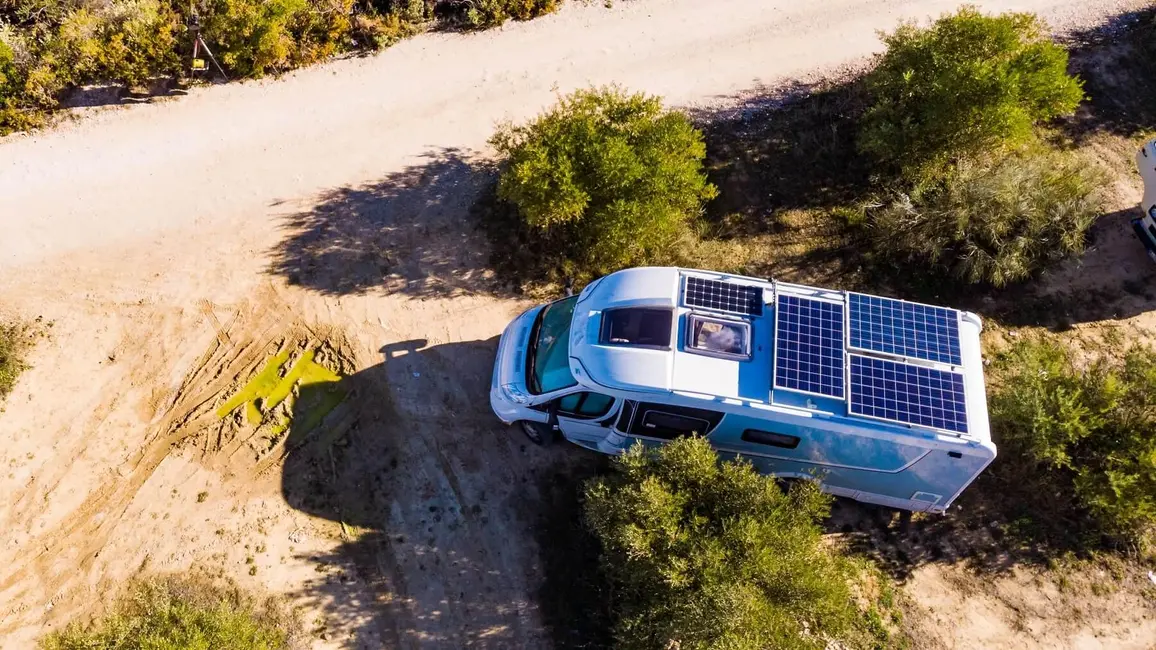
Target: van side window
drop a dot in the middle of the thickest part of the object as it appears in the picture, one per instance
(585, 405)
(668, 422)
(626, 416)
(772, 439)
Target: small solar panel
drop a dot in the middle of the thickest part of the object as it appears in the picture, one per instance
(904, 329)
(809, 346)
(724, 296)
(906, 393)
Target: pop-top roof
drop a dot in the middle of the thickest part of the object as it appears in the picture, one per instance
(882, 362)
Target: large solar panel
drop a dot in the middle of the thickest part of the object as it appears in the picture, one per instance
(809, 346)
(904, 329)
(906, 393)
(724, 296)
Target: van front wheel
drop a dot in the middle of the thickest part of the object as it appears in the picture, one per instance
(539, 433)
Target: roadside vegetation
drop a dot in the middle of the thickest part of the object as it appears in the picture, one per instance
(193, 612)
(1075, 436)
(49, 47)
(703, 553)
(13, 346)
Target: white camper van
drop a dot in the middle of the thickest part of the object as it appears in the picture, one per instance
(1145, 225)
(879, 400)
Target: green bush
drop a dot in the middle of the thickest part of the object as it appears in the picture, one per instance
(604, 180)
(182, 613)
(253, 37)
(323, 30)
(993, 222)
(380, 31)
(11, 82)
(138, 42)
(480, 14)
(1082, 430)
(703, 554)
(969, 84)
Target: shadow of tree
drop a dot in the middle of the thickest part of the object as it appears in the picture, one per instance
(782, 149)
(1112, 280)
(411, 232)
(1117, 61)
(575, 596)
(437, 503)
(112, 94)
(1012, 515)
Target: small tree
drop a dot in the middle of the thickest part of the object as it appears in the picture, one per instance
(968, 84)
(993, 222)
(1083, 432)
(704, 554)
(604, 180)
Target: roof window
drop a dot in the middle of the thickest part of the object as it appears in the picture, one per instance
(718, 337)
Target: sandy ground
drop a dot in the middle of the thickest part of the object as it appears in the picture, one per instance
(170, 250)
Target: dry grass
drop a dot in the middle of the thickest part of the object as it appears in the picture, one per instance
(184, 611)
(14, 345)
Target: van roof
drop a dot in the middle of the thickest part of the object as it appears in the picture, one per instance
(868, 361)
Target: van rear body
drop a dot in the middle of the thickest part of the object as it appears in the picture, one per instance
(1144, 226)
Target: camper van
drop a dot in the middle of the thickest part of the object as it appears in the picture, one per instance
(1145, 225)
(877, 399)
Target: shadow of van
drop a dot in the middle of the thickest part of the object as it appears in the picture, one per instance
(432, 498)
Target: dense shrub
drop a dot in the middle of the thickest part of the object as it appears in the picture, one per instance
(993, 222)
(968, 84)
(323, 30)
(704, 554)
(11, 84)
(604, 180)
(13, 344)
(138, 40)
(252, 37)
(480, 14)
(1082, 430)
(185, 613)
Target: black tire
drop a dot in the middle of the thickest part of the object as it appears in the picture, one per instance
(539, 433)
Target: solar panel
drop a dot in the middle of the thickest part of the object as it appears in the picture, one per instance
(904, 329)
(809, 346)
(906, 393)
(724, 296)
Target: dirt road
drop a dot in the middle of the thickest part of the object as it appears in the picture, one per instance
(172, 252)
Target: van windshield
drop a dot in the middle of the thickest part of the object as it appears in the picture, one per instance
(549, 355)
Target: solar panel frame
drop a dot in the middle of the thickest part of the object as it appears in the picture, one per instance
(903, 329)
(719, 295)
(810, 353)
(907, 394)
